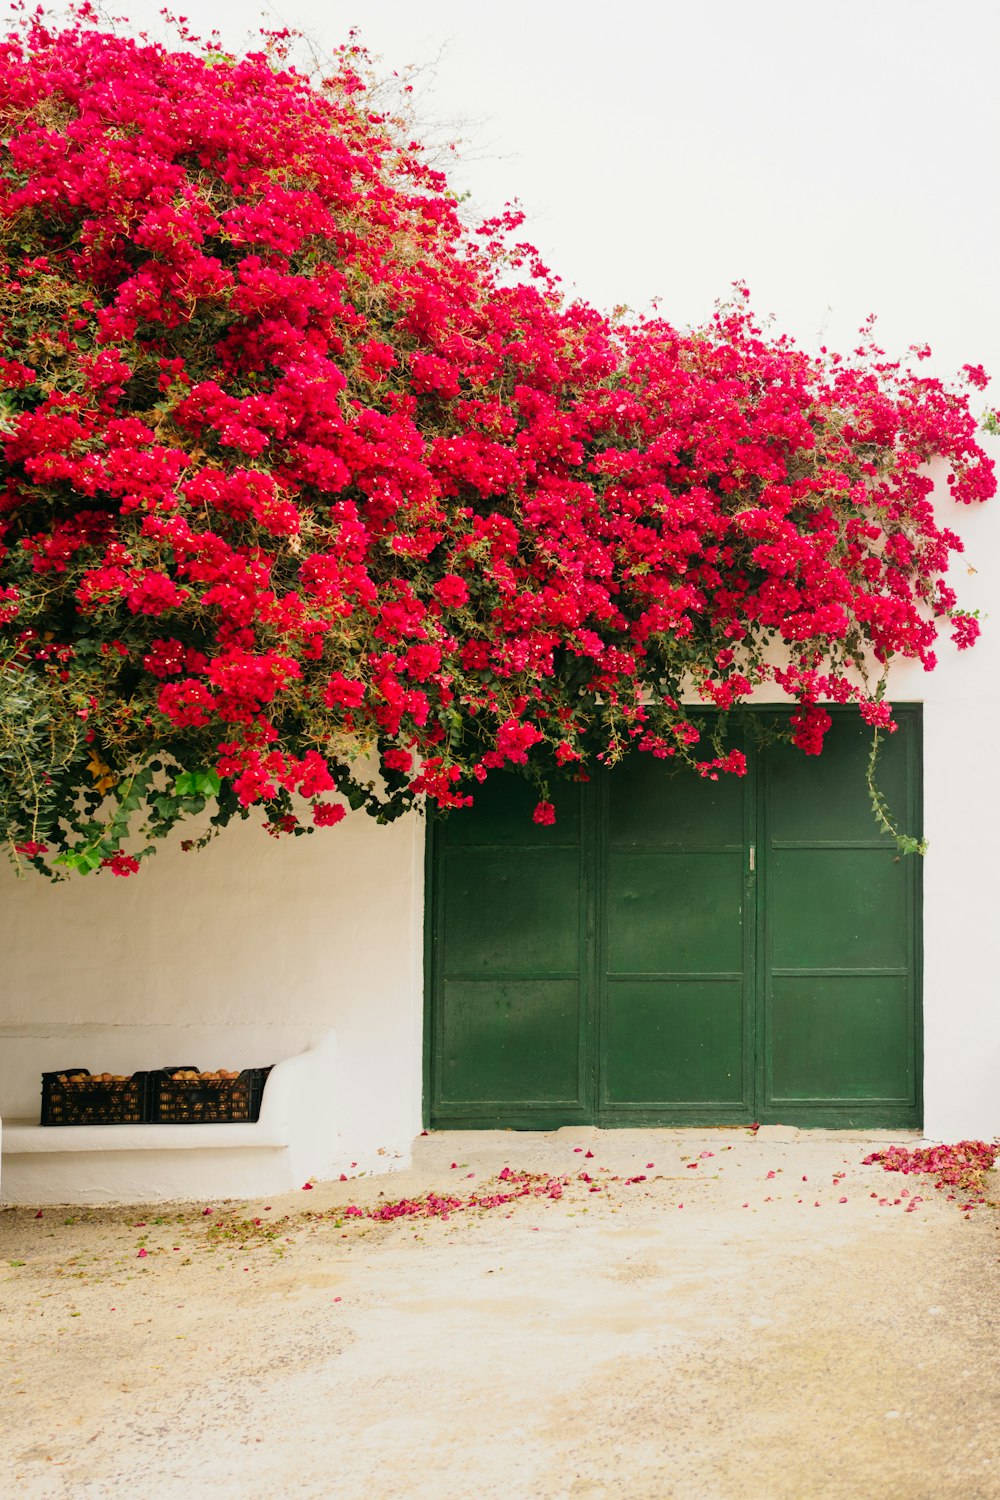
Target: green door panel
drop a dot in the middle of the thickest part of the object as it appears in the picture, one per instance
(833, 908)
(511, 910)
(674, 913)
(651, 803)
(838, 1011)
(509, 938)
(673, 1040)
(675, 1047)
(502, 817)
(510, 1044)
(819, 797)
(676, 949)
(839, 1039)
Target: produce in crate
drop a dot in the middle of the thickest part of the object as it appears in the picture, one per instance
(83, 1078)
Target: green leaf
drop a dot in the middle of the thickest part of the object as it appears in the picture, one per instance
(197, 784)
(83, 860)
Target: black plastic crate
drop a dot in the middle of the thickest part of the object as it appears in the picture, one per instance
(206, 1099)
(75, 1096)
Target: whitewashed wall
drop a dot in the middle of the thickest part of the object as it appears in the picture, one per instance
(303, 934)
(962, 824)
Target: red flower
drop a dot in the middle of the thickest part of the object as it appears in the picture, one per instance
(326, 814)
(451, 591)
(976, 376)
(186, 704)
(343, 692)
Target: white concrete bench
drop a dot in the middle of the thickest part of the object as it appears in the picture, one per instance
(294, 1139)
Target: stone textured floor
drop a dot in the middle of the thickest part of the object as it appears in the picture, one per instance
(766, 1340)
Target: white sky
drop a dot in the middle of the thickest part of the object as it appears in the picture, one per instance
(842, 158)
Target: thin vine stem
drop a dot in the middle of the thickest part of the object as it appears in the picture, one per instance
(905, 842)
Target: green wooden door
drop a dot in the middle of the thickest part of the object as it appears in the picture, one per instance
(680, 950)
(674, 961)
(838, 937)
(511, 942)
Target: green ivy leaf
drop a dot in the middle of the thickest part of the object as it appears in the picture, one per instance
(197, 784)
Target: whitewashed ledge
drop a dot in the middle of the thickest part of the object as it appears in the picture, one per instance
(294, 1139)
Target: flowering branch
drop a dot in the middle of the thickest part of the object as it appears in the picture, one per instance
(302, 475)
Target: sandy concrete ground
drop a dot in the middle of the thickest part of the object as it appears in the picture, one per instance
(768, 1340)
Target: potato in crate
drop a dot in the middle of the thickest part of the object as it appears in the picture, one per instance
(189, 1096)
(75, 1096)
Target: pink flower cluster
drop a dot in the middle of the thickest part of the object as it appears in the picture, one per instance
(442, 1205)
(298, 469)
(959, 1166)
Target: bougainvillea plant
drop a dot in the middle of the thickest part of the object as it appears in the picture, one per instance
(315, 496)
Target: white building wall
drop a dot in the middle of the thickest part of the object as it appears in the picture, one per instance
(961, 927)
(278, 938)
